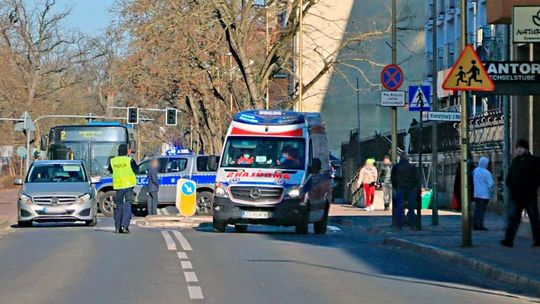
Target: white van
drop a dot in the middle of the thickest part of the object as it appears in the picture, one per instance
(274, 170)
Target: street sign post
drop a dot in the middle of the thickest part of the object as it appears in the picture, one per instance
(392, 98)
(419, 98)
(186, 197)
(444, 116)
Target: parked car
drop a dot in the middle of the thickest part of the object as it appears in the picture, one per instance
(59, 191)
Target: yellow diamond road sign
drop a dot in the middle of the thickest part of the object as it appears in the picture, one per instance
(468, 74)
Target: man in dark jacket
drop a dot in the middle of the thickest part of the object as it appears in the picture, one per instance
(523, 181)
(153, 187)
(406, 183)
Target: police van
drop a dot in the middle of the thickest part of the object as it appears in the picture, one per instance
(274, 170)
(172, 167)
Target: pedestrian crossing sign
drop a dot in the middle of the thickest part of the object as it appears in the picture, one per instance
(468, 73)
(419, 98)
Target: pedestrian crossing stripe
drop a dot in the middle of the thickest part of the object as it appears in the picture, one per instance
(468, 73)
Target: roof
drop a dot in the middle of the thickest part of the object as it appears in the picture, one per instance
(58, 161)
(270, 117)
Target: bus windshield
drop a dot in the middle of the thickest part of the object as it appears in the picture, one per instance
(264, 152)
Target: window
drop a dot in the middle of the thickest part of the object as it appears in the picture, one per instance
(176, 165)
(145, 165)
(56, 173)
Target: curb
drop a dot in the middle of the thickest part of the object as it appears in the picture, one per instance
(494, 272)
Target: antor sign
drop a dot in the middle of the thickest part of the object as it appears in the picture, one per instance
(392, 98)
(444, 116)
(510, 71)
(526, 24)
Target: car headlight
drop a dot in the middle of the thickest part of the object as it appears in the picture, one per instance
(221, 191)
(25, 199)
(84, 198)
(294, 192)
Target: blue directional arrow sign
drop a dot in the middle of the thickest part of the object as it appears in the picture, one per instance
(419, 98)
(188, 188)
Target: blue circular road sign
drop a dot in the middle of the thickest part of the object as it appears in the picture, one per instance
(392, 77)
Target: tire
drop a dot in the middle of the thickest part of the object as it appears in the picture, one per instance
(24, 224)
(92, 222)
(219, 226)
(106, 203)
(240, 228)
(205, 203)
(303, 226)
(322, 226)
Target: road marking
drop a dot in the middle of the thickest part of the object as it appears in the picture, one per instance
(183, 242)
(334, 228)
(195, 293)
(191, 277)
(186, 265)
(182, 255)
(165, 211)
(169, 240)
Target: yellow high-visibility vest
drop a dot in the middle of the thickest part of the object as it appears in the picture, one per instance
(123, 176)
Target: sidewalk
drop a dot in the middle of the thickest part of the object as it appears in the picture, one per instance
(519, 265)
(8, 207)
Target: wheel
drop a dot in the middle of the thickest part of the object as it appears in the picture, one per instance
(205, 203)
(91, 223)
(322, 226)
(303, 226)
(22, 224)
(240, 228)
(219, 226)
(106, 203)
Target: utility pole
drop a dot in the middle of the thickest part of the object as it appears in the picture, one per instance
(420, 164)
(465, 204)
(267, 30)
(506, 132)
(435, 107)
(301, 55)
(394, 61)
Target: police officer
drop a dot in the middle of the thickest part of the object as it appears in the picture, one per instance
(123, 170)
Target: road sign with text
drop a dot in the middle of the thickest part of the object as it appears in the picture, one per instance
(444, 116)
(392, 98)
(468, 73)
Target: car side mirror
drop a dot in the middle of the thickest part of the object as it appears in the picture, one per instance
(18, 181)
(43, 142)
(95, 179)
(316, 166)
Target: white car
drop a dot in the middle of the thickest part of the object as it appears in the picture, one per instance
(59, 191)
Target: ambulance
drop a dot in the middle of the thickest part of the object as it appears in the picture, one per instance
(274, 170)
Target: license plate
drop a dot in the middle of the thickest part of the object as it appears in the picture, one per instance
(255, 214)
(54, 210)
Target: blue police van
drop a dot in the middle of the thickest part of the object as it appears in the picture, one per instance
(172, 167)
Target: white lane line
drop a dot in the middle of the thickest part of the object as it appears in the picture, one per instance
(195, 293)
(159, 212)
(169, 240)
(191, 277)
(182, 255)
(165, 211)
(183, 242)
(334, 228)
(186, 265)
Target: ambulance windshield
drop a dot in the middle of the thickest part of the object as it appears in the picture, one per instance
(264, 152)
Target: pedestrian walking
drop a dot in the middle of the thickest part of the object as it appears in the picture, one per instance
(483, 188)
(386, 181)
(406, 183)
(456, 193)
(153, 187)
(123, 170)
(523, 180)
(367, 179)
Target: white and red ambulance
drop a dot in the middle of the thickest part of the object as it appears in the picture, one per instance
(274, 170)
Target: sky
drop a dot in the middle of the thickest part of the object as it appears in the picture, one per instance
(88, 16)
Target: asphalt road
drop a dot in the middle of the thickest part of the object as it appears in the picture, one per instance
(76, 264)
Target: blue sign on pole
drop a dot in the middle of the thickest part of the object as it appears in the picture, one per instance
(392, 77)
(419, 98)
